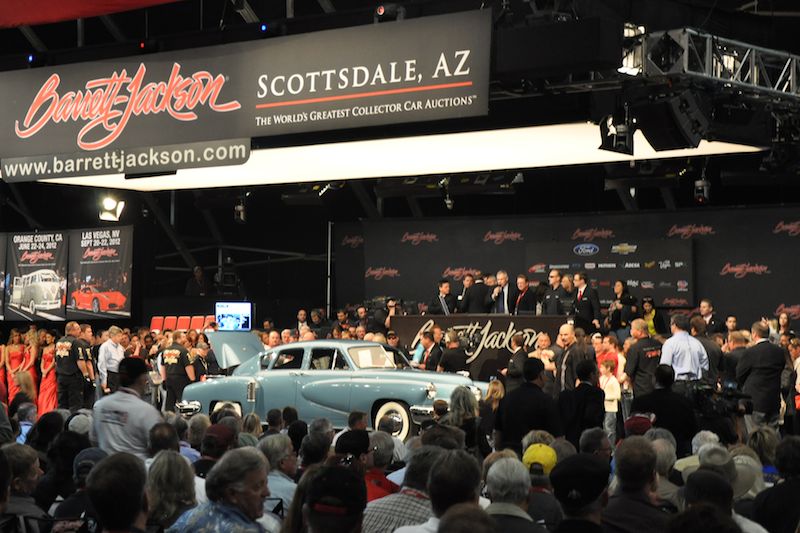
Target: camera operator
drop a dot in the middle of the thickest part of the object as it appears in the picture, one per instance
(383, 317)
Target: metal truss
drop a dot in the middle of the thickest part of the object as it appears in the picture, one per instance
(757, 71)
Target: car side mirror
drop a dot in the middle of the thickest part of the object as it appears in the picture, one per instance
(265, 359)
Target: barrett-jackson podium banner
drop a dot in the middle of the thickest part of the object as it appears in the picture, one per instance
(36, 276)
(489, 336)
(83, 119)
(100, 267)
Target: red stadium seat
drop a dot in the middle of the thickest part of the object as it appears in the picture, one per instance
(157, 323)
(170, 322)
(197, 323)
(210, 318)
(183, 322)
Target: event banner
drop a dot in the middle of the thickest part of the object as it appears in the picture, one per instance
(36, 276)
(88, 115)
(488, 336)
(100, 268)
(660, 269)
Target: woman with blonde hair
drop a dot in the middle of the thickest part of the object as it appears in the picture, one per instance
(14, 360)
(170, 490)
(26, 392)
(252, 424)
(487, 407)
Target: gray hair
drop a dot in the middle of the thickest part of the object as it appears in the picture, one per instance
(463, 405)
(665, 456)
(275, 448)
(591, 440)
(320, 425)
(26, 412)
(231, 469)
(384, 448)
(420, 462)
(508, 481)
(653, 434)
(114, 330)
(537, 436)
(201, 346)
(702, 438)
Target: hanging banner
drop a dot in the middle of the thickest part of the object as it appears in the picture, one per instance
(100, 268)
(36, 278)
(87, 116)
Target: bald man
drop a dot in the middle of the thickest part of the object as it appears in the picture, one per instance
(566, 362)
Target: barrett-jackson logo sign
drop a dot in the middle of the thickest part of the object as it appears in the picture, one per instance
(743, 270)
(675, 302)
(687, 232)
(459, 273)
(499, 237)
(381, 272)
(591, 234)
(107, 104)
(418, 238)
(352, 241)
(33, 258)
(790, 228)
(792, 310)
(96, 254)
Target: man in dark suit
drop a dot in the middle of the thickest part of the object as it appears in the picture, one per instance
(582, 408)
(713, 323)
(503, 296)
(567, 361)
(513, 374)
(525, 409)
(554, 295)
(431, 354)
(444, 303)
(714, 352)
(673, 411)
(477, 296)
(587, 304)
(525, 297)
(759, 375)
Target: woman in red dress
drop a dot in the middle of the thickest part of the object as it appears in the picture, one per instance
(48, 398)
(14, 361)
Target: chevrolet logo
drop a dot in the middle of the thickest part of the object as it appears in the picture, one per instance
(624, 248)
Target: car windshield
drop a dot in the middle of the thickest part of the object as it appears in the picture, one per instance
(48, 276)
(370, 357)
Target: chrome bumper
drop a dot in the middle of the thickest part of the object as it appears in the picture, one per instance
(421, 413)
(188, 409)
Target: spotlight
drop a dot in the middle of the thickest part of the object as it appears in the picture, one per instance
(448, 202)
(111, 209)
(31, 58)
(240, 211)
(616, 132)
(263, 28)
(389, 12)
(702, 191)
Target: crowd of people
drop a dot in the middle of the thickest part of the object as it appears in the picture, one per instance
(618, 430)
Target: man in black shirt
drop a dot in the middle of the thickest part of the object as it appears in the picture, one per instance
(582, 408)
(567, 362)
(454, 358)
(525, 409)
(176, 369)
(70, 369)
(643, 358)
(552, 301)
(714, 352)
(737, 344)
(513, 373)
(200, 362)
(85, 347)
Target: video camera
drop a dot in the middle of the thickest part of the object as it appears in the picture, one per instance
(711, 403)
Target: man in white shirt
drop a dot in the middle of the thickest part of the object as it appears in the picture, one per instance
(108, 359)
(122, 420)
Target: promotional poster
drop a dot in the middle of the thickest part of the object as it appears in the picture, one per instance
(100, 267)
(36, 276)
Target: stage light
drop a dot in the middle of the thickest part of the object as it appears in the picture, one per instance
(240, 211)
(31, 58)
(111, 209)
(263, 28)
(702, 191)
(616, 132)
(389, 12)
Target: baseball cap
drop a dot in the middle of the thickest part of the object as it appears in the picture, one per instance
(579, 480)
(80, 423)
(541, 454)
(337, 491)
(354, 441)
(637, 424)
(222, 433)
(85, 461)
(391, 333)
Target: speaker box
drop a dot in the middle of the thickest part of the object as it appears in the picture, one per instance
(673, 122)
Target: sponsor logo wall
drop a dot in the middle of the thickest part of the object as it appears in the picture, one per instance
(46, 271)
(741, 258)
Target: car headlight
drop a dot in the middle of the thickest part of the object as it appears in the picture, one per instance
(430, 388)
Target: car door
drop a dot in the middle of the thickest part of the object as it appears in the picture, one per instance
(323, 387)
(279, 382)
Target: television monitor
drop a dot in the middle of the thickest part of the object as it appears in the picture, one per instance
(234, 316)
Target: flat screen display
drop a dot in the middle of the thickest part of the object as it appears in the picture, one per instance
(234, 316)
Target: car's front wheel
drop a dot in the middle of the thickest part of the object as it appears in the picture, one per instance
(95, 306)
(400, 412)
(73, 303)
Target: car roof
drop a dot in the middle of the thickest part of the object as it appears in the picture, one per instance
(326, 343)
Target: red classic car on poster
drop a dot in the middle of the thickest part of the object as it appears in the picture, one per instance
(90, 297)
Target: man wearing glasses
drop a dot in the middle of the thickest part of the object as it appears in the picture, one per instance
(553, 296)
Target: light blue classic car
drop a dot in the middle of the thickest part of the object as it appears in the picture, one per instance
(326, 378)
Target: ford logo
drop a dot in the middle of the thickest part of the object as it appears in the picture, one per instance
(586, 249)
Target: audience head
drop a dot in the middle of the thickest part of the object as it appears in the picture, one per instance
(251, 424)
(84, 463)
(24, 464)
(636, 464)
(563, 448)
(580, 484)
(419, 465)
(653, 434)
(466, 518)
(5, 482)
(280, 454)
(116, 488)
(542, 455)
(463, 406)
(275, 419)
(532, 369)
(162, 436)
(27, 412)
(764, 442)
(296, 431)
(45, 430)
(314, 448)
(664, 376)
(586, 371)
(321, 426)
(357, 420)
(537, 436)
(440, 408)
(508, 481)
(170, 486)
(382, 447)
(454, 479)
(680, 323)
(62, 452)
(665, 456)
(492, 458)
(594, 441)
(217, 440)
(198, 425)
(447, 437)
(335, 501)
(702, 438)
(289, 415)
(703, 518)
(239, 479)
(133, 374)
(787, 457)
